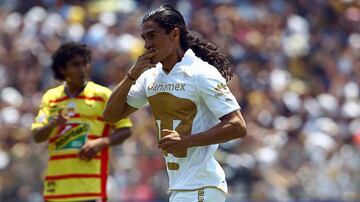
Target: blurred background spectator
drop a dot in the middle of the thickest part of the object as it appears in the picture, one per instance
(297, 78)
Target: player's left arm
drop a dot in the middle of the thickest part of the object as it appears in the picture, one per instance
(232, 126)
(216, 95)
(119, 136)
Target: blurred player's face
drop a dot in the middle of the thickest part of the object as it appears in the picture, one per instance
(157, 39)
(76, 71)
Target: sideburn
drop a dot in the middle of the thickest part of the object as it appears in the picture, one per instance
(178, 55)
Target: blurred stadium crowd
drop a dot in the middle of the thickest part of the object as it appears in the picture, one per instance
(297, 79)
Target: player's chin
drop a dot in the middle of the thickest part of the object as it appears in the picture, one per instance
(82, 80)
(157, 59)
(154, 60)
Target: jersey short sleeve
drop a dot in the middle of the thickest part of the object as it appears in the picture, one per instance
(137, 96)
(215, 93)
(123, 123)
(42, 118)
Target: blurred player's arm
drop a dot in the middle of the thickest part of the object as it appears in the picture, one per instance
(92, 147)
(41, 134)
(119, 136)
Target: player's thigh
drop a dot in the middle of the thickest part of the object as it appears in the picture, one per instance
(205, 195)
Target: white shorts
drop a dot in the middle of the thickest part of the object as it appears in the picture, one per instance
(204, 195)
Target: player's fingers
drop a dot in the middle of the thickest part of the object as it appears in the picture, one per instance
(146, 63)
(148, 54)
(165, 145)
(85, 149)
(61, 113)
(145, 52)
(82, 156)
(166, 132)
(86, 155)
(166, 138)
(171, 148)
(53, 119)
(91, 155)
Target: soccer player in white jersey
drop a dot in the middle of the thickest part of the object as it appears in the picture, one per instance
(183, 78)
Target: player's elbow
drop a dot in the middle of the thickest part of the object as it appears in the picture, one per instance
(239, 128)
(128, 132)
(37, 137)
(37, 140)
(109, 116)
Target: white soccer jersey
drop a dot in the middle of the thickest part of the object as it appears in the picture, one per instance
(190, 99)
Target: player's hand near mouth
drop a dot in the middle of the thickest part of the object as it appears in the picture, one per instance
(143, 62)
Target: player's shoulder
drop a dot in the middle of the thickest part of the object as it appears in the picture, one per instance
(203, 69)
(54, 93)
(97, 89)
(195, 63)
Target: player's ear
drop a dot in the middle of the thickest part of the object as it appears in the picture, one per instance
(62, 70)
(176, 34)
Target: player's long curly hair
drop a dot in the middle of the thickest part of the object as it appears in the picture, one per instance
(167, 17)
(66, 52)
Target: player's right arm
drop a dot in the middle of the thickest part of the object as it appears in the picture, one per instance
(45, 121)
(42, 134)
(117, 108)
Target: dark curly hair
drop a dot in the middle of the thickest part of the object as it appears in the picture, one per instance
(167, 17)
(66, 52)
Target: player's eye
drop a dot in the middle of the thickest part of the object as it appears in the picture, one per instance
(151, 36)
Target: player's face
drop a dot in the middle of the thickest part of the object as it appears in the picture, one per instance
(76, 71)
(157, 39)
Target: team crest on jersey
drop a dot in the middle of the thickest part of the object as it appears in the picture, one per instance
(70, 110)
(67, 112)
(221, 89)
(71, 136)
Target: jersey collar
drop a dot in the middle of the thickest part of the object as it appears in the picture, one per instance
(186, 60)
(80, 92)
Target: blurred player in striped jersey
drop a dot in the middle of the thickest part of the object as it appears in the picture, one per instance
(70, 119)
